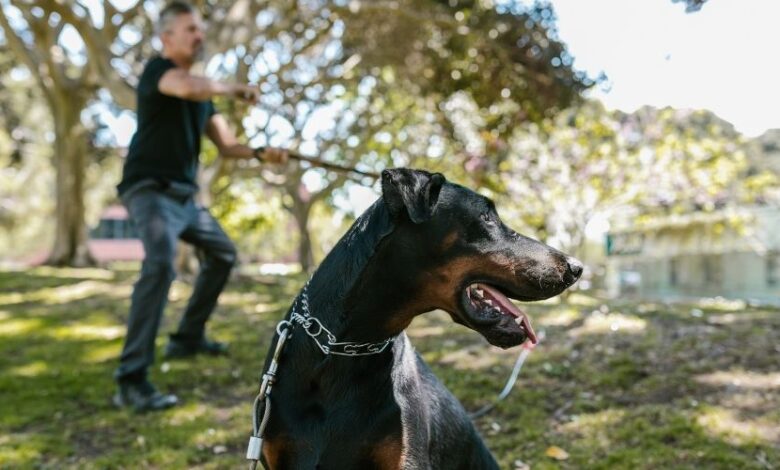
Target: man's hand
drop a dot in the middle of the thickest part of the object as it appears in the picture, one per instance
(274, 155)
(247, 93)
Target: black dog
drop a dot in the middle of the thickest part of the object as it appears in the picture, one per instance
(426, 244)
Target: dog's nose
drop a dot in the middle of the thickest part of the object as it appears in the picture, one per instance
(575, 266)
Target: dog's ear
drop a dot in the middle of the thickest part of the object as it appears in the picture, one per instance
(414, 192)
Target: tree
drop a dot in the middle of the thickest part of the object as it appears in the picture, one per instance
(379, 74)
(495, 53)
(503, 62)
(105, 49)
(25, 170)
(560, 173)
(691, 160)
(69, 77)
(651, 163)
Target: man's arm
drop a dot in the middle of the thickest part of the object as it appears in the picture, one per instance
(181, 84)
(219, 132)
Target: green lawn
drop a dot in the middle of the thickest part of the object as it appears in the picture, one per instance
(615, 385)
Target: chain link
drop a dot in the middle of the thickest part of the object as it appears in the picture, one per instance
(314, 328)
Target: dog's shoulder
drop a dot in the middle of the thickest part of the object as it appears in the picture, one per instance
(438, 431)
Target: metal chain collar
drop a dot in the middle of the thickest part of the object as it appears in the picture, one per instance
(330, 345)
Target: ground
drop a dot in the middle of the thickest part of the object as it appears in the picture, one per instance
(614, 384)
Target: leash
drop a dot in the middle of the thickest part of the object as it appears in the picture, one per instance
(320, 163)
(314, 329)
(524, 353)
(332, 166)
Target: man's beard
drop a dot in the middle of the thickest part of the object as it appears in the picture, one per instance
(198, 52)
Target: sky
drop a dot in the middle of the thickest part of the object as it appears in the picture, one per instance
(723, 58)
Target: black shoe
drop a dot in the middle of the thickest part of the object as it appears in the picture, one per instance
(178, 348)
(142, 396)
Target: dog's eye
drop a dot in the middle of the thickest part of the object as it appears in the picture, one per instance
(487, 217)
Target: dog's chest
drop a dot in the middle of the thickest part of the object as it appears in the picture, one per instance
(331, 450)
(334, 425)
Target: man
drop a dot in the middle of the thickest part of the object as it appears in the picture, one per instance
(158, 189)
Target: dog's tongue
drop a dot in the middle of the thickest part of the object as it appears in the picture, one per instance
(508, 306)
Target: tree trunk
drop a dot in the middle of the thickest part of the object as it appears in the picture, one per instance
(187, 262)
(301, 213)
(70, 243)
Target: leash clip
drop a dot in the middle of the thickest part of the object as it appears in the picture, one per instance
(253, 450)
(255, 447)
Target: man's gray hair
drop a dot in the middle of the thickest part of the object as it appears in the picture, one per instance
(170, 12)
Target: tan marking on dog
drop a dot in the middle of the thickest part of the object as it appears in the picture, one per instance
(273, 450)
(449, 241)
(453, 273)
(438, 286)
(388, 453)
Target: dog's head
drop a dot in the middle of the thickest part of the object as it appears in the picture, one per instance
(460, 257)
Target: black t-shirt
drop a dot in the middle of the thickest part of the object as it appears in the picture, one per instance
(166, 145)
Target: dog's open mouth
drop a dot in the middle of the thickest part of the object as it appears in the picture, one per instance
(486, 303)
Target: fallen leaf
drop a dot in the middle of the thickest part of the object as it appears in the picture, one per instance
(520, 465)
(555, 452)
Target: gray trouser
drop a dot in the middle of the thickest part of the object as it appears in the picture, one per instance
(161, 220)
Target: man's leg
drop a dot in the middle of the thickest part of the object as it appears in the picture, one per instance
(205, 233)
(159, 221)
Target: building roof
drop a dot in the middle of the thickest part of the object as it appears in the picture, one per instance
(116, 250)
(114, 212)
(753, 229)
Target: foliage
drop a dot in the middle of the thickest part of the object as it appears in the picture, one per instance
(556, 176)
(617, 385)
(68, 74)
(578, 160)
(493, 52)
(26, 175)
(692, 161)
(465, 87)
(361, 84)
(27, 188)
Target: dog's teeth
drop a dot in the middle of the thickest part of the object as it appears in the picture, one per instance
(519, 320)
(480, 292)
(489, 302)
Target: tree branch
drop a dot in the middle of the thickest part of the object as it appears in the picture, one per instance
(98, 43)
(29, 57)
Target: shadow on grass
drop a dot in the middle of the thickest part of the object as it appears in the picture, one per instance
(615, 385)
(621, 389)
(56, 366)
(34, 279)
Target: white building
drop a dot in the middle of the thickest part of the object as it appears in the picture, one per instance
(731, 253)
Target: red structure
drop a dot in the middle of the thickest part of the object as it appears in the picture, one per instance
(114, 238)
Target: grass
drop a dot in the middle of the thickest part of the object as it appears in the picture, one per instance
(614, 385)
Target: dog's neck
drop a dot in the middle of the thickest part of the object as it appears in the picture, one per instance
(353, 292)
